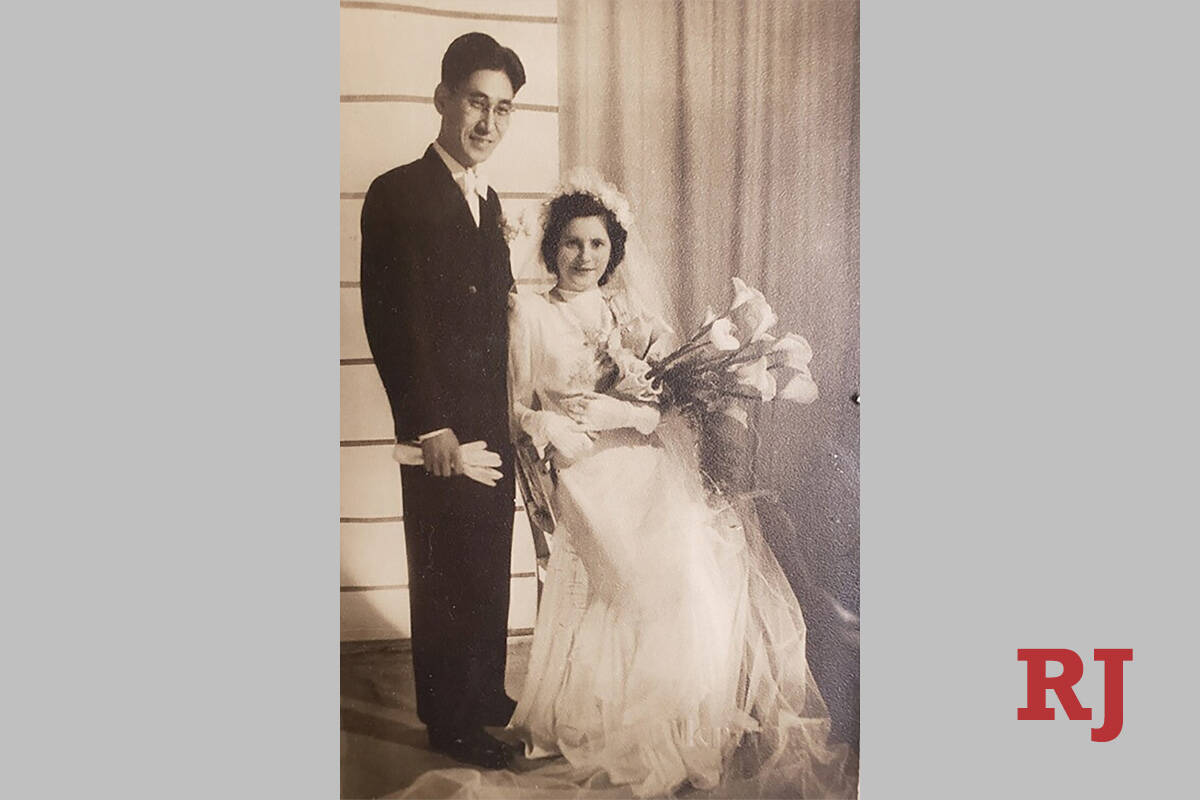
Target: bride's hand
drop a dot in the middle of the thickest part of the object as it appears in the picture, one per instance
(601, 412)
(569, 439)
(566, 435)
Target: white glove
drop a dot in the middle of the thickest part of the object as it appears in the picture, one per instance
(601, 412)
(548, 427)
(478, 463)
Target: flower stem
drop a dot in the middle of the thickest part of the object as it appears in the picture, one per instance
(670, 360)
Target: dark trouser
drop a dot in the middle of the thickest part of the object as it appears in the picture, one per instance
(459, 540)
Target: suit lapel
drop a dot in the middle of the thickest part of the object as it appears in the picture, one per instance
(489, 211)
(480, 246)
(445, 192)
(494, 240)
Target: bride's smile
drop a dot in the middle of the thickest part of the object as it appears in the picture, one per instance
(583, 254)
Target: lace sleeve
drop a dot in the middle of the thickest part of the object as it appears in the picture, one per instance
(521, 335)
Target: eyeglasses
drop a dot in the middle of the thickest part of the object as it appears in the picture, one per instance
(479, 103)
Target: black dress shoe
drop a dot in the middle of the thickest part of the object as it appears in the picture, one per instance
(499, 712)
(471, 747)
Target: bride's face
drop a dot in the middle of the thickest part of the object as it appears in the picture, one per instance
(583, 250)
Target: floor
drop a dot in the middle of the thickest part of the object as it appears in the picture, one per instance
(384, 747)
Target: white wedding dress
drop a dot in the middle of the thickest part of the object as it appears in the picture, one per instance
(669, 649)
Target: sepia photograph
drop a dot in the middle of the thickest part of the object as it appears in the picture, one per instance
(599, 369)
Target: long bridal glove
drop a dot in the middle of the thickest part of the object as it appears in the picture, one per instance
(547, 427)
(601, 412)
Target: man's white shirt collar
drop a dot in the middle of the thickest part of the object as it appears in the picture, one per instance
(468, 179)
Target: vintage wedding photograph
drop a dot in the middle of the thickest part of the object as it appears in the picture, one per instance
(599, 368)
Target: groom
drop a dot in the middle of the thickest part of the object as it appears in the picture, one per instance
(435, 282)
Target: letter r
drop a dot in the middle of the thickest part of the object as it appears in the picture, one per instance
(1038, 683)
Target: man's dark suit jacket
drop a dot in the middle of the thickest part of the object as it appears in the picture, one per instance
(435, 293)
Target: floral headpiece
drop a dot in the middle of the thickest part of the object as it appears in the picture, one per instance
(586, 180)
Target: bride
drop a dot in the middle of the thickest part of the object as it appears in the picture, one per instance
(669, 649)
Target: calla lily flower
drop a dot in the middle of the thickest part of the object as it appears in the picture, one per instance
(799, 388)
(634, 381)
(750, 312)
(730, 359)
(737, 412)
(757, 376)
(721, 335)
(793, 350)
(635, 334)
(742, 293)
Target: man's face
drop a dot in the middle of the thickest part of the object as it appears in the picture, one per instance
(475, 115)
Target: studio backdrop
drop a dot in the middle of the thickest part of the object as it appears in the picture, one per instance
(733, 129)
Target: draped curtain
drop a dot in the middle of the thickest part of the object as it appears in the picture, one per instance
(733, 128)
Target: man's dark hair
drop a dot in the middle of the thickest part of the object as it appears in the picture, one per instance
(567, 207)
(475, 51)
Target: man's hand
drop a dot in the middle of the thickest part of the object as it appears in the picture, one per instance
(441, 455)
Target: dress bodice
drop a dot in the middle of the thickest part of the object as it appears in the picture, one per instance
(560, 343)
(561, 338)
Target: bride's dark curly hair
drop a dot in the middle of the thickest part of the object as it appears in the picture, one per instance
(567, 207)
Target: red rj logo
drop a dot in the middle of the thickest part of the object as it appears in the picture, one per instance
(1038, 683)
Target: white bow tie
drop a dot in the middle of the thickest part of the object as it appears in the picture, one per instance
(472, 181)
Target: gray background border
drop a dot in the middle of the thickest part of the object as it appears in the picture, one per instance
(1028, 198)
(1028, 201)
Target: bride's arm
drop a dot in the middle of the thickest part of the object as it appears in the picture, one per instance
(520, 366)
(525, 418)
(601, 412)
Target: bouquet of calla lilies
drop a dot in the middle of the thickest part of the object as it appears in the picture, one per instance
(733, 358)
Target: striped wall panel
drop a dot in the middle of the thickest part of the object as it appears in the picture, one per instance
(383, 613)
(370, 483)
(354, 337)
(373, 553)
(378, 66)
(379, 136)
(351, 240)
(366, 414)
(391, 53)
(478, 10)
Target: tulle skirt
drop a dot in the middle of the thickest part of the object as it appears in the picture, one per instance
(669, 649)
